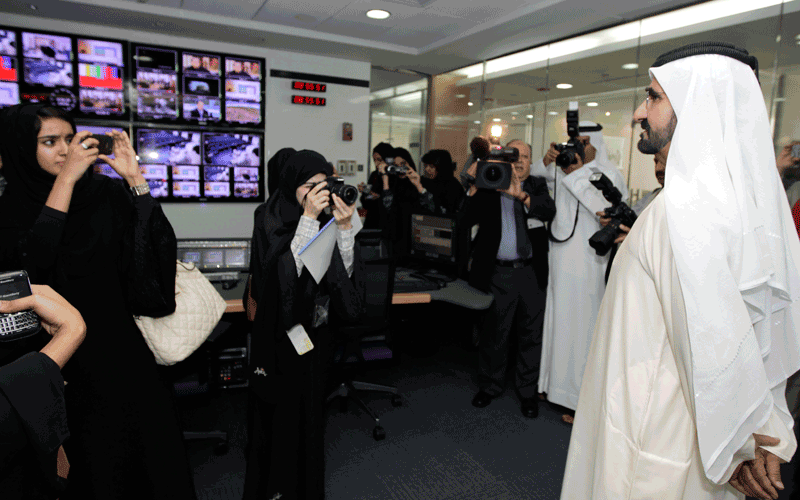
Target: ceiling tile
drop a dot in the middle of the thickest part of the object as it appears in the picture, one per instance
(476, 10)
(428, 21)
(353, 28)
(319, 8)
(242, 9)
(277, 15)
(175, 4)
(416, 39)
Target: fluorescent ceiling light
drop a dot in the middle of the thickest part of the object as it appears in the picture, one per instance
(591, 104)
(564, 86)
(469, 103)
(529, 116)
(477, 122)
(553, 113)
(515, 112)
(495, 119)
(381, 114)
(630, 66)
(33, 7)
(378, 14)
(460, 96)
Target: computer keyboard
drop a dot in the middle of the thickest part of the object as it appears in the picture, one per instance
(406, 282)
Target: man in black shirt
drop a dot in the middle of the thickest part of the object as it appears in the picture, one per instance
(199, 112)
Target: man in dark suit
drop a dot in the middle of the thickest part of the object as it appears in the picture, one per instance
(509, 260)
(199, 112)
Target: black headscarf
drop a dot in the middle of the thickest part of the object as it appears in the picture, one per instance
(28, 184)
(275, 168)
(384, 149)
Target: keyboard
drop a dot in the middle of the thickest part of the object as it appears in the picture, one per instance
(405, 283)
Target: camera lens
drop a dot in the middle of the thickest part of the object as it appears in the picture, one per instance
(493, 174)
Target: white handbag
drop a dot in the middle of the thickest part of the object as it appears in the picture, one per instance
(199, 308)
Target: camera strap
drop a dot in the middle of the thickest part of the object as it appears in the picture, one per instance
(550, 225)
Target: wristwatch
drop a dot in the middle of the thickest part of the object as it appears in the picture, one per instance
(140, 189)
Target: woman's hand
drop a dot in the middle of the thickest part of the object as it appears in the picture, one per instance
(381, 166)
(316, 201)
(124, 161)
(79, 158)
(413, 176)
(58, 317)
(343, 213)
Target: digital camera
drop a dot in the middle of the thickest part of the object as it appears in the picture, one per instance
(336, 185)
(498, 169)
(568, 152)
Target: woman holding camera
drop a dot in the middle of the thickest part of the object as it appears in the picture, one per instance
(373, 189)
(110, 251)
(448, 194)
(285, 456)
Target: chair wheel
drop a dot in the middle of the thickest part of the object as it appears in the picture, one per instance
(221, 449)
(396, 401)
(378, 433)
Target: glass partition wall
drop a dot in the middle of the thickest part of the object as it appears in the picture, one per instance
(525, 95)
(398, 116)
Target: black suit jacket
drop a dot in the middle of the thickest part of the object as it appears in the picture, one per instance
(484, 209)
(197, 114)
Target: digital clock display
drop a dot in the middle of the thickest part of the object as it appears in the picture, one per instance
(308, 100)
(309, 86)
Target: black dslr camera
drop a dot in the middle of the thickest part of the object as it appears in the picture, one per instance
(336, 185)
(392, 169)
(619, 213)
(568, 152)
(497, 170)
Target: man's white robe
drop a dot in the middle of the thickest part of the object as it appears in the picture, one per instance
(577, 280)
(634, 435)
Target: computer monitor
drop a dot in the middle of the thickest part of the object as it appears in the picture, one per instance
(439, 241)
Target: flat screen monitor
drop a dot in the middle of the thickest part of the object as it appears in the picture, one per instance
(174, 147)
(202, 65)
(48, 47)
(101, 102)
(9, 94)
(48, 72)
(153, 81)
(8, 43)
(156, 58)
(236, 67)
(242, 112)
(434, 238)
(99, 76)
(157, 106)
(186, 173)
(232, 149)
(100, 52)
(202, 109)
(242, 90)
(200, 86)
(9, 69)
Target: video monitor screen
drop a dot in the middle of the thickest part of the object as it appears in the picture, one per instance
(175, 147)
(201, 108)
(242, 112)
(157, 106)
(200, 86)
(200, 64)
(245, 174)
(48, 72)
(218, 189)
(217, 174)
(433, 236)
(245, 189)
(186, 189)
(242, 68)
(8, 69)
(9, 94)
(241, 150)
(153, 58)
(100, 52)
(192, 256)
(50, 47)
(99, 76)
(235, 257)
(152, 81)
(213, 258)
(159, 189)
(243, 90)
(8, 43)
(155, 172)
(102, 102)
(186, 173)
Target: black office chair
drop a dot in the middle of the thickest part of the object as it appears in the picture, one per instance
(379, 282)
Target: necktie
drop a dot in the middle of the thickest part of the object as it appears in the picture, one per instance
(524, 248)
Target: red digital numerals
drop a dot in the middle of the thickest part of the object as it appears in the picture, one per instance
(308, 100)
(309, 86)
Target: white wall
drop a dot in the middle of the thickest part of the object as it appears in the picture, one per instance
(287, 125)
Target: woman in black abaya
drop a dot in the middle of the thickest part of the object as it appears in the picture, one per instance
(448, 194)
(285, 456)
(110, 253)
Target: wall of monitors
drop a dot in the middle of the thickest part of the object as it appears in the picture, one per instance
(197, 117)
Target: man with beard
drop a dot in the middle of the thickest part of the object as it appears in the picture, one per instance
(683, 392)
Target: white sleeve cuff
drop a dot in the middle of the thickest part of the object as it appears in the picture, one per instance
(307, 228)
(346, 241)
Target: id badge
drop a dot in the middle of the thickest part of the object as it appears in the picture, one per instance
(302, 344)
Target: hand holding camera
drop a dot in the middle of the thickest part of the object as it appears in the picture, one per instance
(81, 154)
(124, 161)
(342, 212)
(413, 176)
(316, 200)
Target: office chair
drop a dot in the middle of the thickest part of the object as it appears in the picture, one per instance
(379, 281)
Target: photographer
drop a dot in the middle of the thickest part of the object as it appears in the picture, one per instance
(576, 283)
(509, 259)
(372, 190)
(33, 421)
(448, 194)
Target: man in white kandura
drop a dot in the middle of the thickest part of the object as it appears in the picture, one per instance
(577, 274)
(683, 392)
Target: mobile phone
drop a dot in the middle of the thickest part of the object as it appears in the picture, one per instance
(15, 326)
(795, 150)
(106, 145)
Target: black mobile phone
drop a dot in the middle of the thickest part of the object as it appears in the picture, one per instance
(795, 150)
(106, 145)
(15, 326)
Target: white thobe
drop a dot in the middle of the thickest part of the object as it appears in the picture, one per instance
(634, 435)
(577, 280)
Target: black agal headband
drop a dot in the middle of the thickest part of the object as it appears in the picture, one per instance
(700, 48)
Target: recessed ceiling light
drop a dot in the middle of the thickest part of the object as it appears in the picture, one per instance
(469, 103)
(608, 113)
(630, 66)
(381, 114)
(514, 112)
(564, 86)
(529, 116)
(33, 7)
(591, 104)
(495, 119)
(477, 122)
(378, 14)
(553, 113)
(460, 96)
